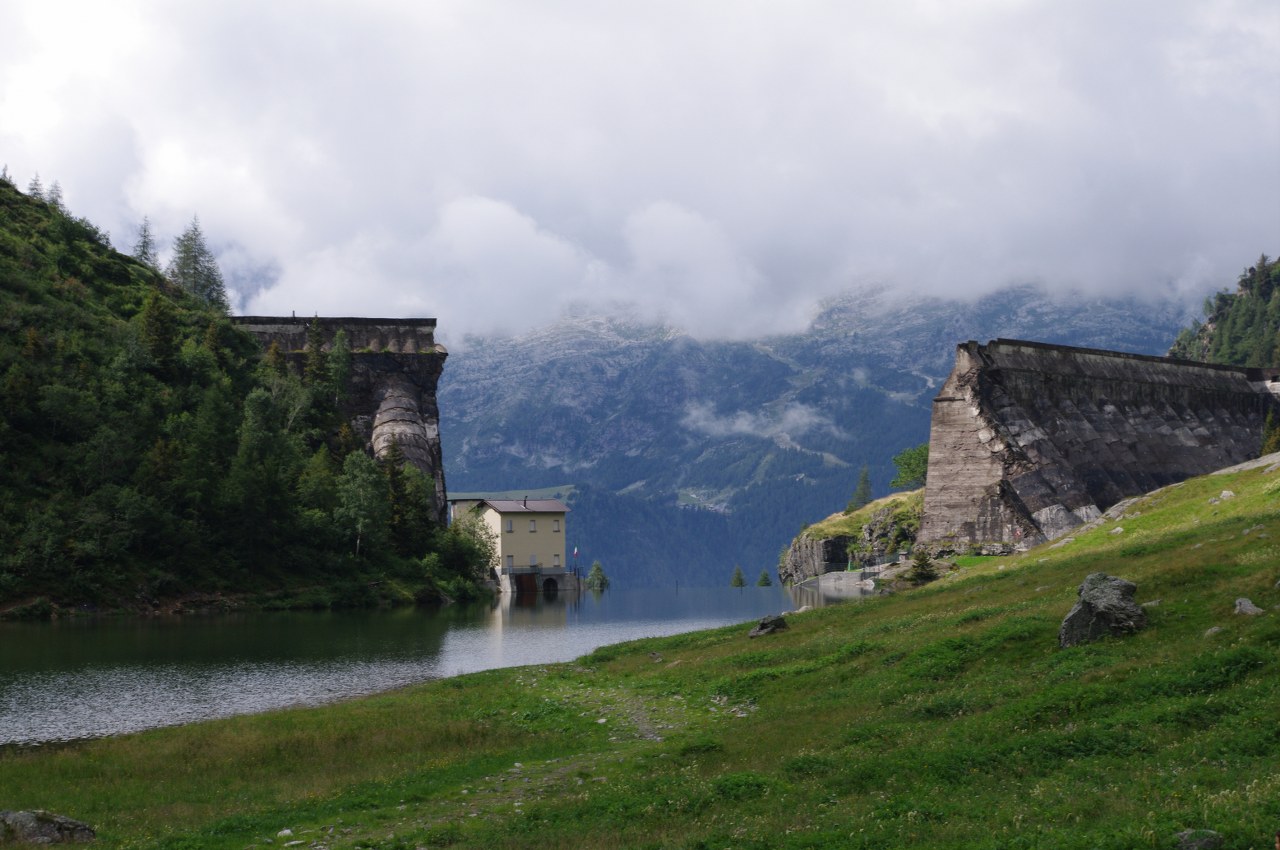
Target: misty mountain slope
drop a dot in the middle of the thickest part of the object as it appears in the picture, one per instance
(692, 456)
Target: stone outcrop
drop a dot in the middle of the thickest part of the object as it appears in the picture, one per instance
(1030, 440)
(1245, 606)
(40, 827)
(391, 392)
(768, 625)
(889, 526)
(1105, 607)
(808, 557)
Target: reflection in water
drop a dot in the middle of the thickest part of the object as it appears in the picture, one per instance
(86, 678)
(831, 588)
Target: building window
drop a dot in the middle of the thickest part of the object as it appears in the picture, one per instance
(533, 525)
(510, 526)
(511, 561)
(533, 560)
(555, 525)
(555, 560)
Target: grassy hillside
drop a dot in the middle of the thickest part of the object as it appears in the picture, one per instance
(942, 717)
(904, 507)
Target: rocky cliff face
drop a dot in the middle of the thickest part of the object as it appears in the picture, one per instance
(1029, 440)
(808, 557)
(871, 535)
(395, 367)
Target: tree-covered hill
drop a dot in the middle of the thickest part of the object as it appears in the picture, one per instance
(1242, 327)
(148, 453)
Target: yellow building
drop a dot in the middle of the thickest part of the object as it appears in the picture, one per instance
(530, 533)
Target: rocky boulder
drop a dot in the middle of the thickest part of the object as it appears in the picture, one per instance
(40, 827)
(768, 625)
(1106, 607)
(1198, 839)
(1245, 606)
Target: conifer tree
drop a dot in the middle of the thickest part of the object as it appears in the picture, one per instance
(923, 569)
(54, 197)
(1271, 435)
(392, 463)
(315, 371)
(35, 189)
(738, 580)
(194, 268)
(144, 250)
(339, 365)
(5, 177)
(160, 330)
(861, 495)
(764, 580)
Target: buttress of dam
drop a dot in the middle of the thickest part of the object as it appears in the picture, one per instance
(391, 393)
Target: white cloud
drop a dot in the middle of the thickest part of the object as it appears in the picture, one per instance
(792, 421)
(722, 166)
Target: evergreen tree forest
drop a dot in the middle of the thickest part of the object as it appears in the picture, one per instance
(1240, 328)
(150, 454)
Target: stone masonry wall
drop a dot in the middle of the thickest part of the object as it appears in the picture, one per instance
(1029, 440)
(395, 367)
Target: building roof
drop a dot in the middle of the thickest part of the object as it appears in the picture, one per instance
(526, 506)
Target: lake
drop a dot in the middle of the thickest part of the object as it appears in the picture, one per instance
(86, 678)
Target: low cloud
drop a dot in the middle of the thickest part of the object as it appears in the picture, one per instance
(492, 163)
(793, 421)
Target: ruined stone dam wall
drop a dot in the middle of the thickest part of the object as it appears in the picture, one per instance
(395, 367)
(1029, 440)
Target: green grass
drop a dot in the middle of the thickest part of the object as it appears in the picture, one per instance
(851, 524)
(942, 717)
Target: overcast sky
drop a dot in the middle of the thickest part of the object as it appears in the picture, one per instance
(723, 165)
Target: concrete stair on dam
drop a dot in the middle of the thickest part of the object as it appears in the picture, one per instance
(1030, 440)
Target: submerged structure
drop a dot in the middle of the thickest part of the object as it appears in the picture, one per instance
(391, 391)
(1030, 440)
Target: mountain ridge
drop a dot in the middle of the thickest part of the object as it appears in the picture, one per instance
(760, 434)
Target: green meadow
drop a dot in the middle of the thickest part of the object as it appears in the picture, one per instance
(944, 716)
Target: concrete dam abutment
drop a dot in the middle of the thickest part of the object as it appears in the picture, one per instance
(391, 392)
(1029, 440)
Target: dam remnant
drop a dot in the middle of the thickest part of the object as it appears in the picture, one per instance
(395, 367)
(1029, 440)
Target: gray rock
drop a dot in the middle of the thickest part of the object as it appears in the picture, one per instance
(41, 827)
(1212, 630)
(1245, 606)
(1105, 607)
(1198, 839)
(768, 625)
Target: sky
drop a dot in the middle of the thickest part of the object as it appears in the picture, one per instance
(721, 165)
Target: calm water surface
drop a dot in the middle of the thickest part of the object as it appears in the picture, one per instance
(87, 678)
